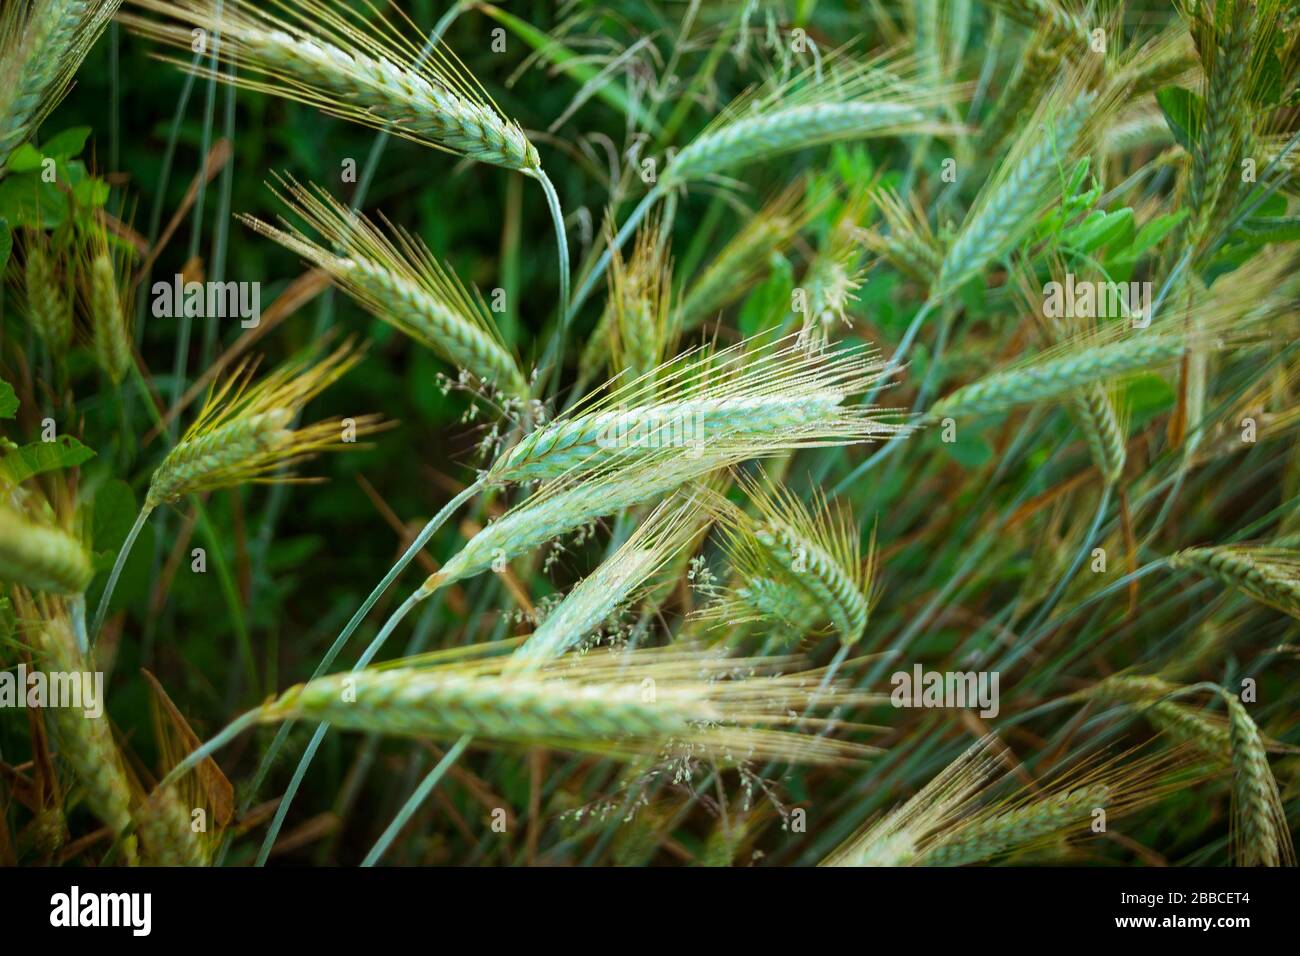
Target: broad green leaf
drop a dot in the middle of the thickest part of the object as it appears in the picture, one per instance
(42, 456)
(67, 143)
(115, 509)
(1155, 230)
(1100, 229)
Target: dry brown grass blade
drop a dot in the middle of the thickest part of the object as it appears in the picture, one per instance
(215, 783)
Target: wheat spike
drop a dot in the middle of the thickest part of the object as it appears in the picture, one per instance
(48, 306)
(41, 557)
(995, 835)
(618, 703)
(319, 53)
(244, 432)
(1095, 413)
(1005, 206)
(745, 257)
(110, 335)
(1271, 575)
(86, 743)
(42, 42)
(163, 824)
(1063, 24)
(813, 108)
(763, 395)
(1261, 835)
(661, 534)
(399, 281)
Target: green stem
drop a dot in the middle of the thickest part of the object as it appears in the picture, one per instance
(418, 797)
(416, 547)
(301, 771)
(561, 243)
(116, 573)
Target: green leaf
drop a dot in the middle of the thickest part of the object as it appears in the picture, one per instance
(8, 400)
(42, 456)
(1262, 229)
(66, 144)
(1155, 230)
(1184, 112)
(24, 159)
(1100, 229)
(6, 242)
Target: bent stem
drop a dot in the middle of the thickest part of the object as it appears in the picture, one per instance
(102, 611)
(310, 753)
(561, 243)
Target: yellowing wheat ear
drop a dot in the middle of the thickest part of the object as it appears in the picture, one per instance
(248, 432)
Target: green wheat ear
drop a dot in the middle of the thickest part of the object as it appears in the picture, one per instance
(395, 277)
(1261, 834)
(42, 43)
